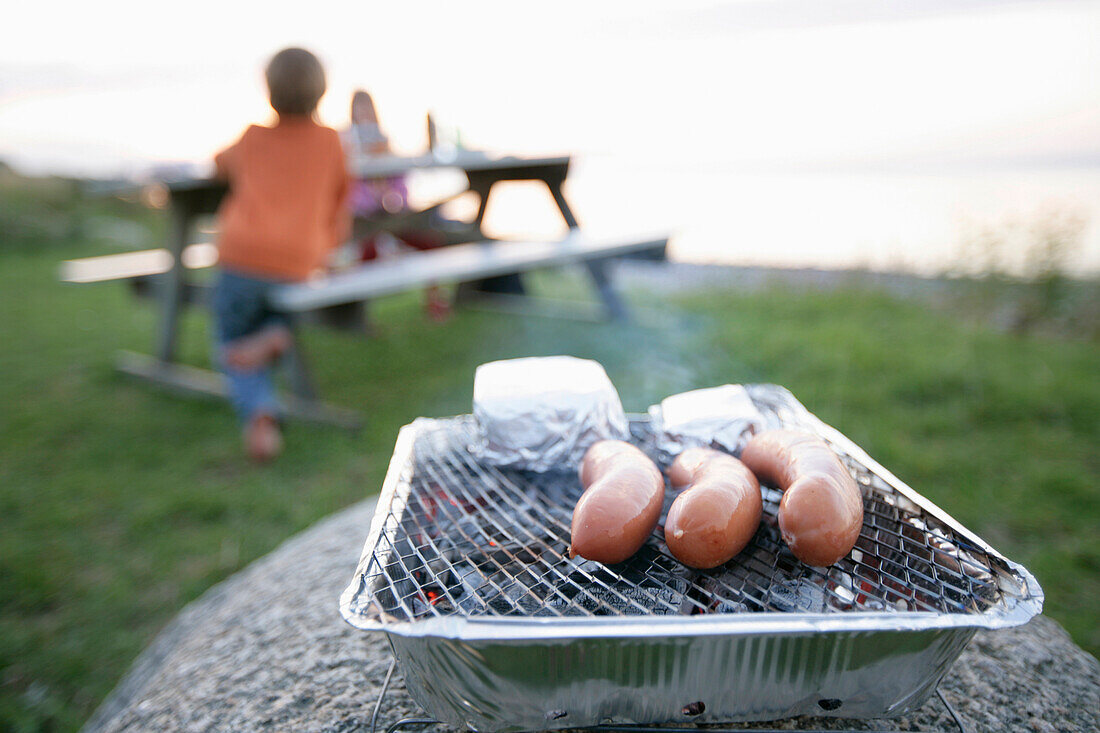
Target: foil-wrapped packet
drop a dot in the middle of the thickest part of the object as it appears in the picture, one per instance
(717, 417)
(540, 413)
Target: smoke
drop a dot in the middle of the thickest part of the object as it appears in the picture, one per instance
(660, 350)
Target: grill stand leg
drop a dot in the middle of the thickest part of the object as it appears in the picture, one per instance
(404, 722)
(410, 722)
(381, 695)
(951, 711)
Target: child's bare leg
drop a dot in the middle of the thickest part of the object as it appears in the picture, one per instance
(262, 438)
(258, 349)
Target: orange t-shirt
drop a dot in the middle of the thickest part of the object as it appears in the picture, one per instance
(285, 209)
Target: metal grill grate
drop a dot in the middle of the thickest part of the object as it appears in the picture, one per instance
(476, 540)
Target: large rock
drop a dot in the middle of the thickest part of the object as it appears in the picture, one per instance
(267, 649)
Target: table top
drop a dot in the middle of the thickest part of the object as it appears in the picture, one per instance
(393, 165)
(467, 160)
(370, 167)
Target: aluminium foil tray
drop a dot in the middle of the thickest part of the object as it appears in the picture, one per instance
(538, 641)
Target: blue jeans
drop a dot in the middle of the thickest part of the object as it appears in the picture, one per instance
(240, 305)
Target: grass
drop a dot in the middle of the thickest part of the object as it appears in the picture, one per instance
(119, 504)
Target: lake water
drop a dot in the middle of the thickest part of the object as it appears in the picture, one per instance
(917, 222)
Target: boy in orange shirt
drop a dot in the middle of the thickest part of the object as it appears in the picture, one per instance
(282, 217)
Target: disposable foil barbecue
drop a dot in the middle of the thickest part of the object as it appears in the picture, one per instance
(466, 569)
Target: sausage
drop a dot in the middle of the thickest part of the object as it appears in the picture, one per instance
(716, 517)
(624, 493)
(821, 512)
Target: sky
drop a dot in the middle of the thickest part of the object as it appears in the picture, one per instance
(796, 82)
(667, 89)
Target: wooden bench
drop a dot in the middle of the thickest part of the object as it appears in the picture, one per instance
(455, 263)
(464, 262)
(141, 270)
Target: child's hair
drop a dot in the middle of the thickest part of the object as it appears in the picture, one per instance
(295, 82)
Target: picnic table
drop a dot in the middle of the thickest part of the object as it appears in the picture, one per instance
(472, 259)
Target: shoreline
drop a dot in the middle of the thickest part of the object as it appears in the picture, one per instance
(1059, 305)
(674, 276)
